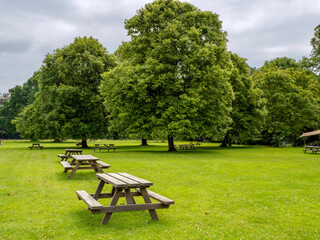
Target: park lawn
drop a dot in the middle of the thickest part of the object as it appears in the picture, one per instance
(220, 193)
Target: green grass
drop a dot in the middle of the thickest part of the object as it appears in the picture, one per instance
(220, 193)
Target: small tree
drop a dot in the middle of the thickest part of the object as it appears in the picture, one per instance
(68, 103)
(173, 79)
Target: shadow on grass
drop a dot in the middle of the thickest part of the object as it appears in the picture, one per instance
(120, 221)
(79, 175)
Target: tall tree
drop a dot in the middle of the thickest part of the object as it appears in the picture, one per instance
(68, 103)
(248, 111)
(173, 79)
(292, 98)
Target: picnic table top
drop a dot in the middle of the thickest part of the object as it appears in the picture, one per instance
(84, 158)
(123, 180)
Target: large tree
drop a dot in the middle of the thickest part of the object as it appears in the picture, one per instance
(292, 98)
(173, 76)
(248, 111)
(68, 104)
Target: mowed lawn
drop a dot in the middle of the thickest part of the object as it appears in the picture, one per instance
(242, 192)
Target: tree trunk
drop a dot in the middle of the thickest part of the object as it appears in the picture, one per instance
(144, 142)
(277, 141)
(171, 144)
(84, 143)
(224, 143)
(294, 143)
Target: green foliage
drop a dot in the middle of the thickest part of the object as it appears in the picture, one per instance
(173, 76)
(248, 110)
(20, 97)
(292, 99)
(68, 103)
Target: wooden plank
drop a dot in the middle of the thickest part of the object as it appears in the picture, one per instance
(66, 165)
(160, 198)
(111, 180)
(89, 200)
(128, 181)
(103, 164)
(131, 207)
(143, 182)
(147, 200)
(113, 202)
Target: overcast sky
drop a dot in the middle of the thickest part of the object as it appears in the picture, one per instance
(258, 30)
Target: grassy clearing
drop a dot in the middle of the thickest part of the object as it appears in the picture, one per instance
(235, 193)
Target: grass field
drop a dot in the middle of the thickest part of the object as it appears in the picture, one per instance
(220, 193)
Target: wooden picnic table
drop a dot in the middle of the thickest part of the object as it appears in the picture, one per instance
(104, 146)
(311, 148)
(83, 162)
(68, 153)
(185, 146)
(36, 145)
(122, 184)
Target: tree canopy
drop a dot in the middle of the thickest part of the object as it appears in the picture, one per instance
(173, 76)
(248, 111)
(20, 97)
(68, 103)
(292, 98)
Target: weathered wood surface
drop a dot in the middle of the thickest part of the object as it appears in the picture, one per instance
(84, 158)
(103, 164)
(89, 200)
(122, 184)
(160, 198)
(120, 180)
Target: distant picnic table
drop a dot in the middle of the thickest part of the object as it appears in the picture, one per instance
(311, 148)
(122, 184)
(36, 145)
(68, 153)
(191, 146)
(83, 162)
(104, 146)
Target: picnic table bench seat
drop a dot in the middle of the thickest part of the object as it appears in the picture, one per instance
(66, 166)
(92, 203)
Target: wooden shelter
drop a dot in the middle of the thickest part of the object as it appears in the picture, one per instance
(307, 134)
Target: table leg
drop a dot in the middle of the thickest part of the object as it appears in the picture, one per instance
(99, 189)
(74, 170)
(97, 167)
(113, 202)
(147, 199)
(129, 197)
